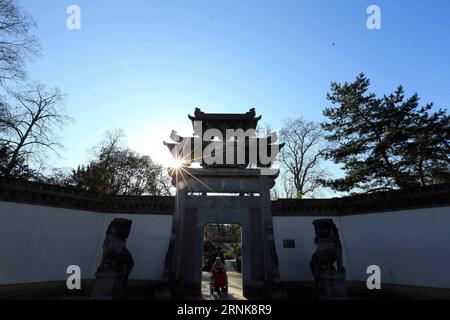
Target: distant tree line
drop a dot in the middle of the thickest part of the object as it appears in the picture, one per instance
(32, 116)
(381, 143)
(30, 112)
(116, 169)
(386, 142)
(223, 233)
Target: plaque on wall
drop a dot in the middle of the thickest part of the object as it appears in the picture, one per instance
(289, 243)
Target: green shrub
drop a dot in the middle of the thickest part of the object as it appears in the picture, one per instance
(229, 255)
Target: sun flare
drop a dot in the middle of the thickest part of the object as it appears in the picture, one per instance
(176, 164)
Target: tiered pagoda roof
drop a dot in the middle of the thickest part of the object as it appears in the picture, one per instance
(223, 121)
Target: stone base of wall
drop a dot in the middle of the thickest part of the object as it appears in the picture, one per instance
(357, 290)
(57, 290)
(145, 290)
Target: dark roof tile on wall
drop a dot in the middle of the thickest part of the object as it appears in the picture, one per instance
(71, 198)
(65, 197)
(413, 198)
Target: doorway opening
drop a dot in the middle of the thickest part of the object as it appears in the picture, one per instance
(222, 242)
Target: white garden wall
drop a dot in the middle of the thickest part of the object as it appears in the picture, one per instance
(37, 243)
(412, 247)
(294, 262)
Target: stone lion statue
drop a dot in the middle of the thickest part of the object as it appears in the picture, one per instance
(116, 256)
(328, 255)
(326, 263)
(115, 267)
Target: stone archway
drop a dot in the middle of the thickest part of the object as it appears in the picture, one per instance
(228, 216)
(253, 213)
(236, 173)
(228, 237)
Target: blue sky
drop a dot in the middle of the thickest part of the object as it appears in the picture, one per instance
(144, 65)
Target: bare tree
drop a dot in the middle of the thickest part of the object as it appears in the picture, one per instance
(165, 187)
(30, 130)
(288, 181)
(16, 42)
(117, 169)
(301, 157)
(6, 119)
